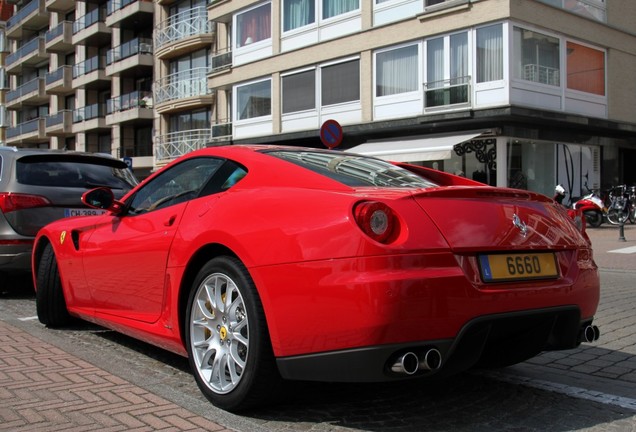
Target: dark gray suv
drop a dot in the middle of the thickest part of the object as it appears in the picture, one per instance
(39, 186)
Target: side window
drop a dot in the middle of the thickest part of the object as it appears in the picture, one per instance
(178, 184)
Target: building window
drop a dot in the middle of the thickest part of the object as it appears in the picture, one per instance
(254, 100)
(490, 53)
(299, 91)
(332, 8)
(254, 25)
(447, 79)
(536, 57)
(340, 83)
(298, 13)
(586, 69)
(396, 71)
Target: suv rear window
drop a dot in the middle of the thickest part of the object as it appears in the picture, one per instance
(354, 170)
(80, 173)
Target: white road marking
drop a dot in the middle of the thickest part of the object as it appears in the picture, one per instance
(627, 250)
(576, 392)
(31, 318)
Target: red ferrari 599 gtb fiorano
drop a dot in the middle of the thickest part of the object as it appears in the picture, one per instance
(262, 263)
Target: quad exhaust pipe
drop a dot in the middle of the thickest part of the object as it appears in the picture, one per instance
(410, 362)
(591, 333)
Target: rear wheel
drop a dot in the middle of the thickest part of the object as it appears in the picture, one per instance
(617, 217)
(49, 297)
(593, 218)
(227, 338)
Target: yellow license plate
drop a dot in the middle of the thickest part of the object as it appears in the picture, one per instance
(518, 266)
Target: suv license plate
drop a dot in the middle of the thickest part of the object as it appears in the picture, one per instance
(83, 212)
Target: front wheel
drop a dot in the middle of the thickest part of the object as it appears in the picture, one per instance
(593, 218)
(617, 216)
(227, 338)
(49, 296)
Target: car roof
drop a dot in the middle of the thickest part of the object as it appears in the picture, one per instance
(9, 150)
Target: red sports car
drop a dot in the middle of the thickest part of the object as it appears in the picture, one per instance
(263, 263)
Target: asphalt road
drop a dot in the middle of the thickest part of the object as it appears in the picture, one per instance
(88, 378)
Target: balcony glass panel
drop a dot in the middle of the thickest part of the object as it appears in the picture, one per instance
(136, 99)
(23, 13)
(89, 112)
(94, 16)
(26, 49)
(129, 49)
(221, 60)
(88, 66)
(23, 128)
(24, 89)
(447, 92)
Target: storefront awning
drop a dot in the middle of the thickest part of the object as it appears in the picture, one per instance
(433, 147)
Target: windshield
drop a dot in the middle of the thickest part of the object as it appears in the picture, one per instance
(354, 170)
(73, 174)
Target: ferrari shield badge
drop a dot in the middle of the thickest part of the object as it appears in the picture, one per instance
(516, 221)
(62, 237)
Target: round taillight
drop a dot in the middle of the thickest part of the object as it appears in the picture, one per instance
(376, 220)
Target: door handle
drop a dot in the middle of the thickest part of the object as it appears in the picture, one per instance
(170, 220)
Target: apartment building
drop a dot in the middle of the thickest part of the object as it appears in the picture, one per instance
(523, 93)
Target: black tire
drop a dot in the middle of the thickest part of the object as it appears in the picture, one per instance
(593, 219)
(227, 339)
(49, 296)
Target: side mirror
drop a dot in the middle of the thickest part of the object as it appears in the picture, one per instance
(102, 198)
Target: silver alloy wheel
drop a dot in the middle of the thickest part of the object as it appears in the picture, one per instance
(219, 333)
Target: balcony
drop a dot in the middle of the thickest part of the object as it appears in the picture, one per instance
(60, 124)
(447, 93)
(221, 131)
(593, 9)
(90, 118)
(124, 13)
(31, 54)
(59, 5)
(183, 32)
(129, 107)
(185, 89)
(542, 74)
(29, 132)
(221, 61)
(27, 20)
(60, 81)
(91, 74)
(91, 29)
(60, 38)
(30, 94)
(175, 144)
(130, 55)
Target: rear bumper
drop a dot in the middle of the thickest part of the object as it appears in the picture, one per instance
(346, 304)
(496, 340)
(15, 259)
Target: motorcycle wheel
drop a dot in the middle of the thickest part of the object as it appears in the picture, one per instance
(616, 217)
(632, 215)
(593, 219)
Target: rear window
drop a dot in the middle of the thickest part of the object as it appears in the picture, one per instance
(77, 173)
(354, 170)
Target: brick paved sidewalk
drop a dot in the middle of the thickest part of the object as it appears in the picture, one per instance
(43, 388)
(608, 248)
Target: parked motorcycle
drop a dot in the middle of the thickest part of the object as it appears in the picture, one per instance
(620, 208)
(593, 208)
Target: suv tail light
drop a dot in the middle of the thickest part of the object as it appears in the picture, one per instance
(11, 202)
(377, 220)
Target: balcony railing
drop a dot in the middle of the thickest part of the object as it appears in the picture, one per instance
(56, 75)
(453, 91)
(29, 126)
(182, 25)
(221, 60)
(26, 49)
(594, 9)
(129, 49)
(175, 144)
(114, 5)
(23, 13)
(221, 130)
(56, 31)
(88, 66)
(542, 74)
(24, 89)
(85, 21)
(89, 112)
(136, 99)
(184, 84)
